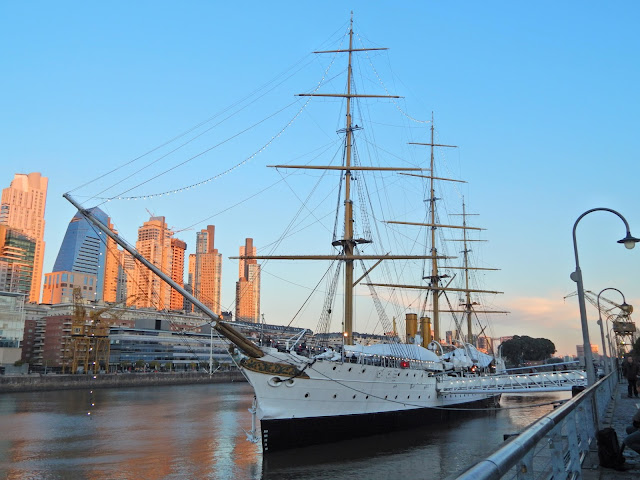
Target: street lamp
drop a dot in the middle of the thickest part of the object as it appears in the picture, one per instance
(624, 308)
(629, 242)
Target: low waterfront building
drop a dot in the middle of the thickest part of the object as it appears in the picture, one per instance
(12, 321)
(164, 348)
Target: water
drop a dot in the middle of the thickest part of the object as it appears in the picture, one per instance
(195, 432)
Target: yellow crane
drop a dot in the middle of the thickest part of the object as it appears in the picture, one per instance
(89, 342)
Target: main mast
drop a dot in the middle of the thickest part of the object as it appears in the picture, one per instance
(348, 242)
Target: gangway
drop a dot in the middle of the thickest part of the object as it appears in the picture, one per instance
(513, 383)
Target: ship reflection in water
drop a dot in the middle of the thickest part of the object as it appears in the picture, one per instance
(195, 432)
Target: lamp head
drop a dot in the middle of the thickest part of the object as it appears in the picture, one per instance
(626, 308)
(629, 241)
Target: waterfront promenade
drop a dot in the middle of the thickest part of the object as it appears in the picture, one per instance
(618, 416)
(33, 383)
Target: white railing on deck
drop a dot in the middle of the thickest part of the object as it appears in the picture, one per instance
(554, 446)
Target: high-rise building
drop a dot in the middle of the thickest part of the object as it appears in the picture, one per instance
(84, 250)
(248, 286)
(485, 344)
(154, 243)
(451, 336)
(59, 285)
(126, 278)
(112, 269)
(178, 248)
(207, 270)
(16, 261)
(22, 207)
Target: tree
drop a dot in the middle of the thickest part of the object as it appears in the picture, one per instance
(520, 349)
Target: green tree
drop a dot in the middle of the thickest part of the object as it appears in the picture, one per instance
(521, 349)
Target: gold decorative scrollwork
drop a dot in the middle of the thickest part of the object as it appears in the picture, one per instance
(270, 368)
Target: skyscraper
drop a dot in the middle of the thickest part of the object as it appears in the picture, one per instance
(16, 261)
(84, 250)
(154, 243)
(112, 269)
(207, 270)
(248, 286)
(178, 248)
(22, 207)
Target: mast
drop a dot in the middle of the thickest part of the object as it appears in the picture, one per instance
(465, 253)
(435, 279)
(348, 243)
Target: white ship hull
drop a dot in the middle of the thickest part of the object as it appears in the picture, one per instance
(339, 400)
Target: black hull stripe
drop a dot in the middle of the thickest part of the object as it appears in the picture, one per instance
(289, 433)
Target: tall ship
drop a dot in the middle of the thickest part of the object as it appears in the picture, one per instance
(321, 391)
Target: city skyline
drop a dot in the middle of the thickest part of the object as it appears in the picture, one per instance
(541, 107)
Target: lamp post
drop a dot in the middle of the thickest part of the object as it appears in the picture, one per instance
(624, 308)
(629, 242)
(612, 346)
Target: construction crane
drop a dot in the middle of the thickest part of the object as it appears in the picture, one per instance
(619, 315)
(89, 345)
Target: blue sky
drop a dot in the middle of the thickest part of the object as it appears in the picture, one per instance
(541, 97)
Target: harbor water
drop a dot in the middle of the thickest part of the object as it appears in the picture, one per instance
(196, 432)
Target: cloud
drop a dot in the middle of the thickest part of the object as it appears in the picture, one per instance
(552, 317)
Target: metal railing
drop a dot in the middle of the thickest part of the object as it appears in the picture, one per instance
(554, 446)
(512, 383)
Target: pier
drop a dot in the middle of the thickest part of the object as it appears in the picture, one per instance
(618, 416)
(563, 443)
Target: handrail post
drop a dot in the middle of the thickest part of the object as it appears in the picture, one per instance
(574, 466)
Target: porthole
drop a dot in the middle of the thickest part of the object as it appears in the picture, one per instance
(306, 395)
(364, 370)
(290, 382)
(396, 397)
(354, 397)
(408, 396)
(335, 396)
(418, 397)
(349, 368)
(334, 368)
(367, 397)
(386, 396)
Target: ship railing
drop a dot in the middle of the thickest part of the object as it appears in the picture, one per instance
(388, 361)
(556, 445)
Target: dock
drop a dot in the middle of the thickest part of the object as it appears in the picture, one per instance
(618, 416)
